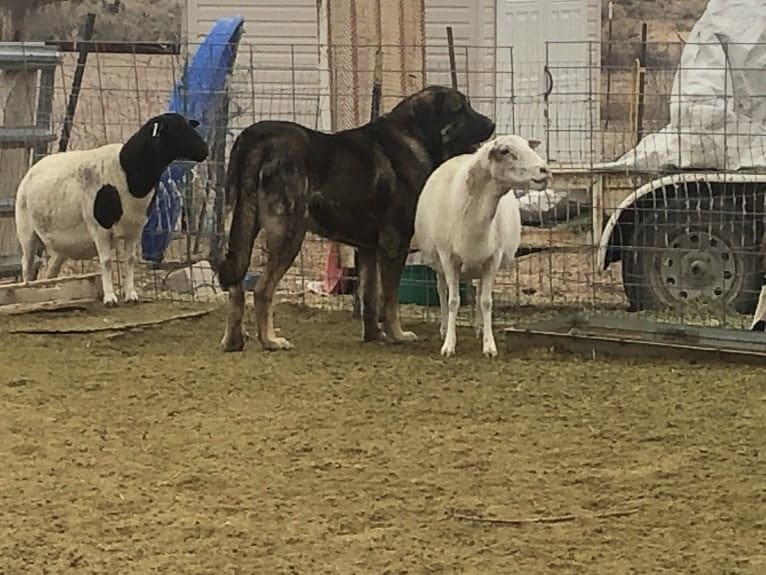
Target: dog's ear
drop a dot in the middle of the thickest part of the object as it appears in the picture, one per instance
(452, 101)
(534, 143)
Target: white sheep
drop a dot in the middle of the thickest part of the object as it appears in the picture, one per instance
(467, 223)
(77, 203)
(758, 322)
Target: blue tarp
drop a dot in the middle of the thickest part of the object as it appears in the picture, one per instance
(196, 97)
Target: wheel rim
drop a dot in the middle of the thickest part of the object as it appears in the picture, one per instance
(697, 265)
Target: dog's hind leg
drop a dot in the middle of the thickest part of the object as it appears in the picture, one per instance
(369, 284)
(284, 236)
(390, 274)
(233, 336)
(282, 206)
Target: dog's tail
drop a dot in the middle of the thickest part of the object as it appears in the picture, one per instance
(242, 181)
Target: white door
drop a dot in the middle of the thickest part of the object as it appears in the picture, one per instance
(556, 33)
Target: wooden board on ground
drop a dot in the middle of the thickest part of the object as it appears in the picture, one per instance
(45, 306)
(61, 290)
(606, 337)
(553, 238)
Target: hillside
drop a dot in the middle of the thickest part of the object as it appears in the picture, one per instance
(116, 20)
(160, 20)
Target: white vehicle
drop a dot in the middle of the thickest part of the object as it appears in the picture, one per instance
(689, 236)
(696, 232)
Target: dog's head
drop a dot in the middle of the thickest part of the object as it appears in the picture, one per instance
(444, 120)
(513, 163)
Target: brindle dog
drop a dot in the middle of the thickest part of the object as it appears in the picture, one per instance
(359, 187)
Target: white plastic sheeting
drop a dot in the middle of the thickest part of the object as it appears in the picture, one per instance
(717, 109)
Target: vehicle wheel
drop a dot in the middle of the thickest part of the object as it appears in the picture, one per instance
(693, 250)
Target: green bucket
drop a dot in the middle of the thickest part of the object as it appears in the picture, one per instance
(418, 286)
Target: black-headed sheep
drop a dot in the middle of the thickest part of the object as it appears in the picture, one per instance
(77, 203)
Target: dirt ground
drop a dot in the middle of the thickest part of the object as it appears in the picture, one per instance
(152, 452)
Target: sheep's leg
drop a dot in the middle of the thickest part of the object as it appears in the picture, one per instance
(30, 243)
(759, 317)
(489, 348)
(28, 272)
(103, 241)
(452, 278)
(128, 279)
(477, 315)
(441, 287)
(55, 261)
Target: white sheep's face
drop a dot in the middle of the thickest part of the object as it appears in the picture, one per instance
(513, 163)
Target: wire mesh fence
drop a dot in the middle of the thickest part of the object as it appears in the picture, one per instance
(690, 238)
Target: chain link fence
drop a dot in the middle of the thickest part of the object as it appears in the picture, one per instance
(685, 247)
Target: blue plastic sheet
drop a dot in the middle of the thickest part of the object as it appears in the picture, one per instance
(196, 97)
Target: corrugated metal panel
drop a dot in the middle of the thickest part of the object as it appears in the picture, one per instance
(463, 16)
(281, 39)
(290, 22)
(473, 25)
(277, 70)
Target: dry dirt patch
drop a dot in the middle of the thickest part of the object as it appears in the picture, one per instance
(154, 452)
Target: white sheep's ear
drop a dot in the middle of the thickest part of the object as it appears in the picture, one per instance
(502, 151)
(534, 144)
(156, 130)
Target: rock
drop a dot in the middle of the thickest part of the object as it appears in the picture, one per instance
(540, 207)
(198, 278)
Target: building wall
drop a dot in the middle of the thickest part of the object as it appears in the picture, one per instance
(277, 70)
(312, 61)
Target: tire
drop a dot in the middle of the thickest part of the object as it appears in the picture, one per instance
(696, 249)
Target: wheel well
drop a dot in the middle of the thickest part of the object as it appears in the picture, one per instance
(748, 198)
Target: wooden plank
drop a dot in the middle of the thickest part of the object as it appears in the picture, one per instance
(114, 327)
(65, 288)
(592, 346)
(552, 237)
(625, 337)
(706, 336)
(170, 49)
(45, 306)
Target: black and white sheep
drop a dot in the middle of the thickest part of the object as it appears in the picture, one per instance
(78, 203)
(468, 222)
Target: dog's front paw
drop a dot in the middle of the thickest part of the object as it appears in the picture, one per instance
(232, 342)
(406, 337)
(373, 334)
(277, 344)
